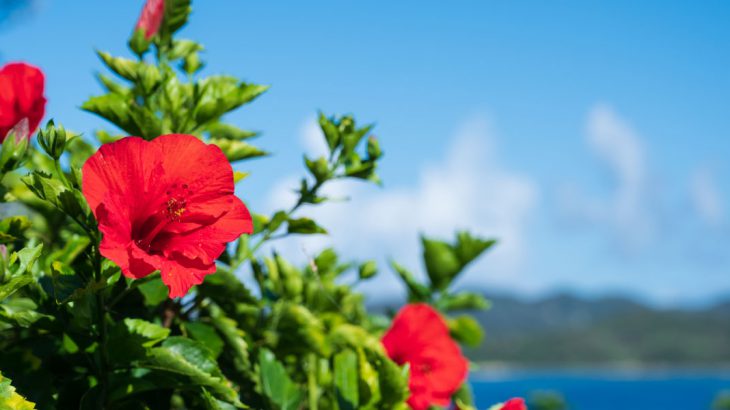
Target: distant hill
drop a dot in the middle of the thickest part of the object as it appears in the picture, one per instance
(567, 330)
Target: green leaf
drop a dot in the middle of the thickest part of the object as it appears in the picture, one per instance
(130, 339)
(276, 221)
(21, 311)
(417, 292)
(237, 150)
(151, 333)
(392, 380)
(298, 329)
(206, 335)
(190, 360)
(10, 399)
(74, 246)
(442, 262)
(65, 282)
(331, 134)
(227, 131)
(221, 94)
(463, 301)
(154, 291)
(12, 228)
(465, 329)
(123, 67)
(182, 48)
(176, 15)
(319, 168)
(464, 398)
(12, 286)
(276, 384)
(305, 226)
(469, 247)
(368, 270)
(26, 258)
(346, 380)
(234, 337)
(211, 403)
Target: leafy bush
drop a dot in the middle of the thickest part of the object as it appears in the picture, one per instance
(77, 332)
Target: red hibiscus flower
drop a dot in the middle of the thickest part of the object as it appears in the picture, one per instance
(166, 205)
(419, 336)
(151, 18)
(514, 404)
(21, 97)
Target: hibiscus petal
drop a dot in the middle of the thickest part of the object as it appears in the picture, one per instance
(181, 274)
(129, 170)
(207, 242)
(203, 168)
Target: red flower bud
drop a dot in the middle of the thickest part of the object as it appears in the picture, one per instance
(21, 97)
(151, 18)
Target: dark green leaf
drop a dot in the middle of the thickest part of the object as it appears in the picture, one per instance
(469, 247)
(189, 359)
(206, 335)
(417, 292)
(12, 228)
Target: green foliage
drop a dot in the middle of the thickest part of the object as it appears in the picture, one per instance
(547, 400)
(10, 399)
(76, 333)
(721, 401)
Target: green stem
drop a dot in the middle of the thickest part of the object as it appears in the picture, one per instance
(61, 174)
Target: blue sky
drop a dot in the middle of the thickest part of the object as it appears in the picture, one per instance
(593, 140)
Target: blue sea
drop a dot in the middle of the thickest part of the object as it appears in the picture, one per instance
(606, 389)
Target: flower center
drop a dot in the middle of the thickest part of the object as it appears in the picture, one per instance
(424, 368)
(171, 211)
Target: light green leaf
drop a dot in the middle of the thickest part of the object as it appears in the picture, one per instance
(12, 286)
(466, 330)
(276, 384)
(305, 226)
(346, 380)
(237, 150)
(10, 399)
(442, 262)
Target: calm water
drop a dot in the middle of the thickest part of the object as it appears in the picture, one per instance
(609, 390)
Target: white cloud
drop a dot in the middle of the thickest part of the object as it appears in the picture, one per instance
(706, 198)
(626, 210)
(467, 189)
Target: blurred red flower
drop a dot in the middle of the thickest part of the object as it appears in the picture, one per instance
(21, 97)
(419, 336)
(514, 404)
(151, 18)
(166, 204)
